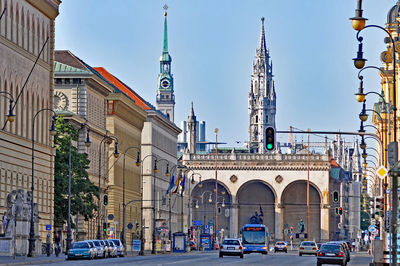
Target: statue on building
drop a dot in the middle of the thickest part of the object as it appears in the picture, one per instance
(301, 226)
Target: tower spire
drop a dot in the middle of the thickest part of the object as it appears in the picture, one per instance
(165, 47)
(263, 47)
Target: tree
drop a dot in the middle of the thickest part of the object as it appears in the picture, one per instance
(83, 190)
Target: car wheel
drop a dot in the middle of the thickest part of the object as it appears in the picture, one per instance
(241, 256)
(220, 255)
(285, 251)
(300, 254)
(319, 263)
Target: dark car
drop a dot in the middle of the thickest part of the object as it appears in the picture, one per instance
(345, 248)
(333, 253)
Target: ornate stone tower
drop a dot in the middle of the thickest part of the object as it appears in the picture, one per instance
(192, 130)
(262, 98)
(165, 92)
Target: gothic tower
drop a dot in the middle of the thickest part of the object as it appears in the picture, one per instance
(262, 98)
(192, 124)
(165, 92)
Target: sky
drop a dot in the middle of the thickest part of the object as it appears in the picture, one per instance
(213, 44)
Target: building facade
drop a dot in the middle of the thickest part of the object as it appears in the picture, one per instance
(262, 98)
(27, 32)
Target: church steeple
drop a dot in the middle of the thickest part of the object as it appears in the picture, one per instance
(262, 97)
(165, 92)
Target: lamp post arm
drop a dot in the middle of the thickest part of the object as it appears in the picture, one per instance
(367, 67)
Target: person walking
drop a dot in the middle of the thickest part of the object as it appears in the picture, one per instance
(57, 247)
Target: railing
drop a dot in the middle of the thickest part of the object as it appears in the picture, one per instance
(256, 157)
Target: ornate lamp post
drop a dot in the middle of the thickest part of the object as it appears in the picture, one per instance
(11, 115)
(116, 155)
(87, 144)
(123, 191)
(52, 133)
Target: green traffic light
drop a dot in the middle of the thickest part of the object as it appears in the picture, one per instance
(270, 146)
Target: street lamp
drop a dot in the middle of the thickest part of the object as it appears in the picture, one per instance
(216, 184)
(192, 182)
(155, 170)
(87, 144)
(11, 115)
(123, 191)
(52, 133)
(116, 154)
(153, 246)
(358, 22)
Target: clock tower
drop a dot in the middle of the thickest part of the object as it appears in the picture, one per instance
(262, 98)
(165, 92)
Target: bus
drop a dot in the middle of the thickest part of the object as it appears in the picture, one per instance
(255, 238)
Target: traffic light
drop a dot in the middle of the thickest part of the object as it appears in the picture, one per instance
(270, 138)
(291, 229)
(340, 210)
(379, 206)
(335, 196)
(105, 227)
(105, 199)
(337, 210)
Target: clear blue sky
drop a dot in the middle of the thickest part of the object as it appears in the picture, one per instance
(213, 43)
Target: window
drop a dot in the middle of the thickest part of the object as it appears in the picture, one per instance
(67, 81)
(76, 81)
(58, 81)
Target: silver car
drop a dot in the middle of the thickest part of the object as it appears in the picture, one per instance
(308, 247)
(100, 249)
(231, 247)
(120, 247)
(112, 248)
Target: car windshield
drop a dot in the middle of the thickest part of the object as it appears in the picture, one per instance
(231, 242)
(90, 244)
(330, 248)
(102, 242)
(116, 242)
(308, 243)
(80, 245)
(111, 243)
(97, 243)
(254, 237)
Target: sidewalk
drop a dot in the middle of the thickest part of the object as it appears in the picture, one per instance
(23, 260)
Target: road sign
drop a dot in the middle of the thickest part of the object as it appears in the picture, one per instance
(130, 226)
(136, 245)
(198, 222)
(48, 227)
(110, 217)
(372, 228)
(206, 226)
(381, 172)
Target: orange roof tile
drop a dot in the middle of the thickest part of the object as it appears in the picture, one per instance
(128, 91)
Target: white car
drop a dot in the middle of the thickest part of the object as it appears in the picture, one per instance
(231, 247)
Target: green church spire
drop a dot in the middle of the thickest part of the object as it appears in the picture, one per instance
(165, 48)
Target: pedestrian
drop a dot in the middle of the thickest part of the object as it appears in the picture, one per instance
(353, 244)
(57, 241)
(5, 223)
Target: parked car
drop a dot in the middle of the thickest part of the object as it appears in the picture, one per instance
(331, 253)
(100, 248)
(231, 247)
(120, 247)
(345, 248)
(319, 245)
(105, 248)
(308, 247)
(280, 246)
(112, 248)
(81, 249)
(193, 245)
(92, 246)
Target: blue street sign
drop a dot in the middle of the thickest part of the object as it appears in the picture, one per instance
(366, 232)
(48, 227)
(136, 245)
(198, 222)
(206, 226)
(372, 228)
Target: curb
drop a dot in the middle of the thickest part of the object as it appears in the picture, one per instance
(33, 262)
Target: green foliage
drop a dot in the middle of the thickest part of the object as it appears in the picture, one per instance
(82, 189)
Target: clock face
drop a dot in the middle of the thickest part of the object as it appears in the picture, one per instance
(60, 101)
(165, 83)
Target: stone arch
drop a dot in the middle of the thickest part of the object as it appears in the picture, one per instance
(294, 204)
(204, 210)
(252, 196)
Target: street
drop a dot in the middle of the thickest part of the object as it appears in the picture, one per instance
(211, 258)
